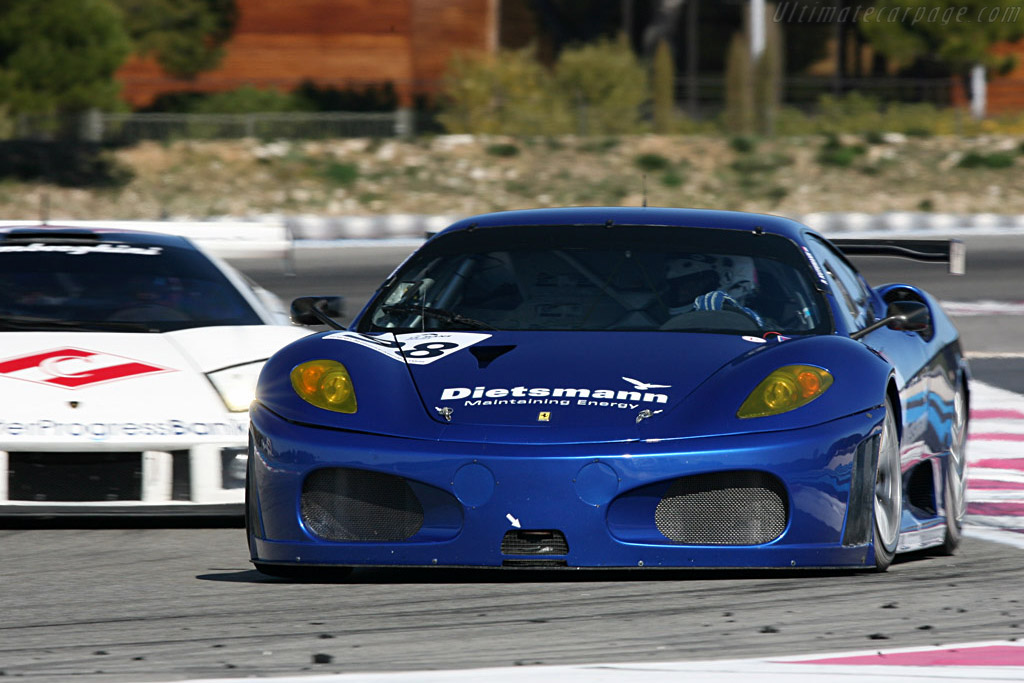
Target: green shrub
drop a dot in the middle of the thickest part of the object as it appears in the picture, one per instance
(918, 120)
(853, 113)
(791, 121)
(339, 173)
(509, 93)
(776, 193)
(987, 160)
(598, 145)
(651, 162)
(502, 149)
(838, 156)
(874, 137)
(246, 100)
(743, 143)
(672, 178)
(62, 162)
(519, 187)
(605, 85)
(594, 89)
(835, 153)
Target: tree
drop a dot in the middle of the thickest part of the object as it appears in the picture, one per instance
(958, 33)
(60, 56)
(184, 36)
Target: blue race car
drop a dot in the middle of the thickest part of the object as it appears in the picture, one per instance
(616, 387)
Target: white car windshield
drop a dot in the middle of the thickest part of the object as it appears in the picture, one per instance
(643, 278)
(108, 286)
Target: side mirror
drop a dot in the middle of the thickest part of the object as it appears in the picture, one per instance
(909, 316)
(318, 310)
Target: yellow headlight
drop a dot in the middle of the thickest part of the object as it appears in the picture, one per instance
(784, 389)
(326, 384)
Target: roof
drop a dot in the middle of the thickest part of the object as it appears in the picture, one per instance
(58, 232)
(620, 215)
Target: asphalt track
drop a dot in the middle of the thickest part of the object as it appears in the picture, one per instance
(144, 603)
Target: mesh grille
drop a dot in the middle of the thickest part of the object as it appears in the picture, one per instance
(533, 542)
(74, 477)
(723, 508)
(341, 504)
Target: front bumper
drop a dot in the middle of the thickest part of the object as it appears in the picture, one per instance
(108, 480)
(603, 500)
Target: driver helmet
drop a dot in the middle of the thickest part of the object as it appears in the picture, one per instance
(688, 278)
(737, 276)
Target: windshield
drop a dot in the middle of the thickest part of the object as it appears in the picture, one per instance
(109, 286)
(597, 278)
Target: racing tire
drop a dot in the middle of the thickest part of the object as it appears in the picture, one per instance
(888, 493)
(955, 478)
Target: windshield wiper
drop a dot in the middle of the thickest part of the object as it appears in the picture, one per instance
(440, 313)
(29, 323)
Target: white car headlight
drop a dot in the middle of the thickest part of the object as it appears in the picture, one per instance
(237, 385)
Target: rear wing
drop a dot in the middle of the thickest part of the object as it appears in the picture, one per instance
(951, 251)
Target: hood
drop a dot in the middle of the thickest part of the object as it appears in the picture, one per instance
(213, 348)
(567, 387)
(581, 379)
(150, 384)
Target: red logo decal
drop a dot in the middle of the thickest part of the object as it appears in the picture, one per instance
(73, 368)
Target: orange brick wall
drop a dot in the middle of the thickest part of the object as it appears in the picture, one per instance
(342, 43)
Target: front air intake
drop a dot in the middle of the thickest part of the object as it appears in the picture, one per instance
(723, 508)
(74, 477)
(534, 542)
(342, 504)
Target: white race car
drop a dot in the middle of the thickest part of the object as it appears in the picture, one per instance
(127, 364)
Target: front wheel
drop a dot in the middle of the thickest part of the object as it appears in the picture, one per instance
(888, 498)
